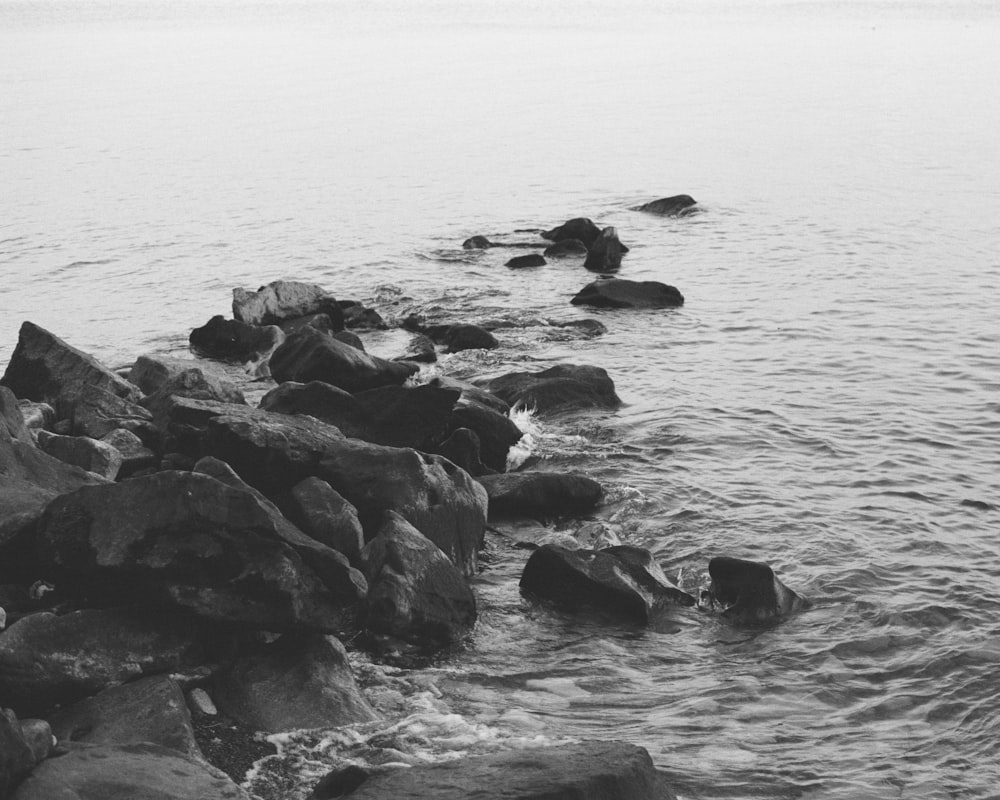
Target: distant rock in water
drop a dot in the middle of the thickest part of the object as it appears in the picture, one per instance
(477, 243)
(676, 206)
(605, 253)
(748, 591)
(469, 337)
(580, 228)
(530, 260)
(565, 247)
(560, 388)
(620, 293)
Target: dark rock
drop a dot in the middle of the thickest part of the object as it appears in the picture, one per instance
(587, 327)
(136, 457)
(359, 316)
(150, 709)
(338, 783)
(283, 300)
(126, 772)
(314, 356)
(421, 350)
(678, 205)
(580, 228)
(620, 293)
(297, 682)
(416, 594)
(150, 372)
(472, 394)
(190, 540)
(92, 455)
(462, 449)
(320, 322)
(477, 243)
(233, 340)
(196, 384)
(749, 591)
(496, 432)
(605, 253)
(323, 401)
(585, 771)
(347, 337)
(560, 388)
(38, 736)
(417, 417)
(541, 494)
(469, 337)
(564, 248)
(321, 513)
(98, 412)
(47, 660)
(530, 260)
(16, 758)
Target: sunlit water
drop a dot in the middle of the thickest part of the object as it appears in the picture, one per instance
(826, 401)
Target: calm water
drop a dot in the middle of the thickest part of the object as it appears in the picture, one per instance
(826, 401)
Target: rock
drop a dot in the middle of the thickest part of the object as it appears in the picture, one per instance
(190, 540)
(477, 243)
(150, 709)
(98, 412)
(586, 327)
(338, 783)
(38, 736)
(560, 388)
(749, 591)
(47, 660)
(469, 337)
(417, 417)
(194, 383)
(541, 494)
(282, 300)
(347, 337)
(323, 401)
(416, 594)
(320, 322)
(135, 456)
(678, 205)
(587, 770)
(126, 772)
(234, 340)
(530, 260)
(580, 228)
(199, 702)
(605, 253)
(472, 394)
(421, 349)
(320, 512)
(92, 455)
(564, 248)
(16, 757)
(46, 369)
(358, 316)
(621, 293)
(463, 450)
(297, 682)
(311, 355)
(150, 372)
(496, 432)
(37, 416)
(621, 580)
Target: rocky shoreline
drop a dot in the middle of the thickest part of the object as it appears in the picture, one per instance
(180, 570)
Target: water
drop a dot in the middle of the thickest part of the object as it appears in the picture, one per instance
(826, 401)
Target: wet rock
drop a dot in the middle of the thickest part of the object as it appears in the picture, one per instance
(416, 594)
(46, 369)
(126, 772)
(200, 703)
(320, 322)
(81, 451)
(417, 417)
(560, 388)
(477, 243)
(605, 253)
(37, 416)
(421, 350)
(150, 709)
(347, 337)
(620, 580)
(678, 205)
(360, 317)
(472, 394)
(323, 401)
(529, 260)
(468, 337)
(16, 757)
(541, 494)
(311, 355)
(338, 783)
(234, 340)
(321, 513)
(584, 771)
(283, 300)
(462, 448)
(564, 248)
(48, 660)
(621, 293)
(296, 682)
(496, 432)
(135, 456)
(580, 228)
(749, 591)
(190, 540)
(586, 327)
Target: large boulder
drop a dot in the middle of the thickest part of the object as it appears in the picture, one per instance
(675, 206)
(151, 371)
(416, 594)
(126, 772)
(605, 253)
(749, 591)
(98, 412)
(580, 228)
(622, 580)
(323, 401)
(46, 369)
(541, 494)
(92, 455)
(191, 540)
(417, 417)
(322, 513)
(564, 248)
(496, 432)
(234, 340)
(135, 456)
(588, 770)
(311, 355)
(296, 682)
(560, 388)
(621, 293)
(468, 337)
(47, 660)
(284, 300)
(16, 757)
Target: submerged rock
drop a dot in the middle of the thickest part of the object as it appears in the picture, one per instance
(677, 205)
(530, 260)
(542, 494)
(581, 228)
(283, 300)
(564, 248)
(749, 591)
(621, 293)
(605, 253)
(561, 388)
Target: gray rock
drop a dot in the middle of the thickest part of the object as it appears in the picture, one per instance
(283, 300)
(580, 228)
(233, 340)
(468, 337)
(529, 260)
(477, 243)
(621, 293)
(564, 248)
(16, 756)
(136, 457)
(560, 388)
(195, 383)
(98, 412)
(749, 591)
(675, 206)
(92, 455)
(322, 513)
(541, 494)
(37, 416)
(151, 371)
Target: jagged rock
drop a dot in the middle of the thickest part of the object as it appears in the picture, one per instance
(472, 393)
(126, 772)
(323, 401)
(621, 293)
(320, 512)
(749, 591)
(150, 372)
(421, 350)
(320, 322)
(92, 455)
(587, 770)
(678, 205)
(580, 228)
(311, 355)
(16, 757)
(234, 340)
(46, 369)
(605, 253)
(98, 412)
(477, 243)
(496, 432)
(136, 457)
(560, 388)
(150, 709)
(564, 248)
(282, 300)
(191, 540)
(416, 594)
(541, 494)
(37, 416)
(47, 660)
(293, 683)
(622, 580)
(192, 382)
(359, 316)
(529, 260)
(468, 337)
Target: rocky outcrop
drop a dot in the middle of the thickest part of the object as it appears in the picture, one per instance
(561, 388)
(296, 682)
(283, 300)
(621, 293)
(541, 494)
(749, 591)
(92, 455)
(605, 253)
(234, 340)
(529, 260)
(675, 206)
(580, 228)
